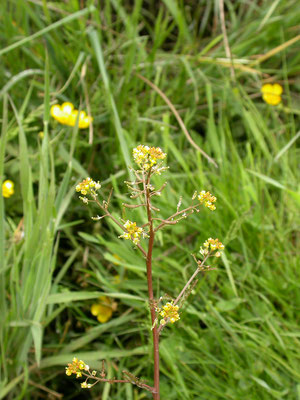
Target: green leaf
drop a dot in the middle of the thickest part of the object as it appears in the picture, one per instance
(37, 334)
(48, 28)
(79, 296)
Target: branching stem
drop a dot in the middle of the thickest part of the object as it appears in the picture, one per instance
(169, 220)
(148, 255)
(199, 268)
(108, 214)
(155, 334)
(113, 380)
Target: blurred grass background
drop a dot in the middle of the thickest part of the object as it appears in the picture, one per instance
(238, 336)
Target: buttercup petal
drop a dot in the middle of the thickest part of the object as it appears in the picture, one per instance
(277, 89)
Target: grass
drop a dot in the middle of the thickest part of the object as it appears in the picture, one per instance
(238, 336)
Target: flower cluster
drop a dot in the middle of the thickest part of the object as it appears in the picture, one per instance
(146, 157)
(211, 245)
(76, 367)
(103, 310)
(8, 188)
(133, 233)
(272, 93)
(169, 311)
(67, 115)
(207, 198)
(88, 187)
(85, 385)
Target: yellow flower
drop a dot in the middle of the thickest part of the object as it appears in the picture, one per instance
(62, 113)
(169, 311)
(133, 233)
(88, 186)
(272, 93)
(85, 385)
(146, 157)
(76, 367)
(207, 198)
(67, 115)
(211, 245)
(103, 310)
(8, 188)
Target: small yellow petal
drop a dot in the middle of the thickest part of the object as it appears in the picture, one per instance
(272, 99)
(72, 118)
(104, 315)
(267, 88)
(95, 309)
(277, 89)
(67, 108)
(82, 115)
(85, 122)
(55, 111)
(8, 188)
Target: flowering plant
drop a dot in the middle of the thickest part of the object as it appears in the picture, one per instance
(149, 161)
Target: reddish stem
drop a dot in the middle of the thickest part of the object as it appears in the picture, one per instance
(155, 334)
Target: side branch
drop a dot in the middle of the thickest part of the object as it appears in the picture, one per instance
(139, 205)
(113, 380)
(199, 269)
(170, 220)
(108, 214)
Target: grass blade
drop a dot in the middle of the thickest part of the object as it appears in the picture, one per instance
(48, 28)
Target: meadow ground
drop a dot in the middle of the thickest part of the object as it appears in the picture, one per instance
(138, 67)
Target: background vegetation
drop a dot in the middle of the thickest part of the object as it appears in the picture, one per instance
(238, 337)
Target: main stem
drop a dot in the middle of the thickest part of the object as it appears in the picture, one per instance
(155, 334)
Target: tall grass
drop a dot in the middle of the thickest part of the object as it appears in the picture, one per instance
(238, 336)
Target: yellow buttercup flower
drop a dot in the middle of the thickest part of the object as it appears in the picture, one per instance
(272, 93)
(67, 115)
(103, 310)
(8, 188)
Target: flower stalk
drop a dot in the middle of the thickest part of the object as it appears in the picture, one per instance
(148, 160)
(150, 288)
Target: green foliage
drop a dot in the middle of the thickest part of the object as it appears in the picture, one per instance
(238, 336)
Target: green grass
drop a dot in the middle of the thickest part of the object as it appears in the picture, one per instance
(238, 336)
